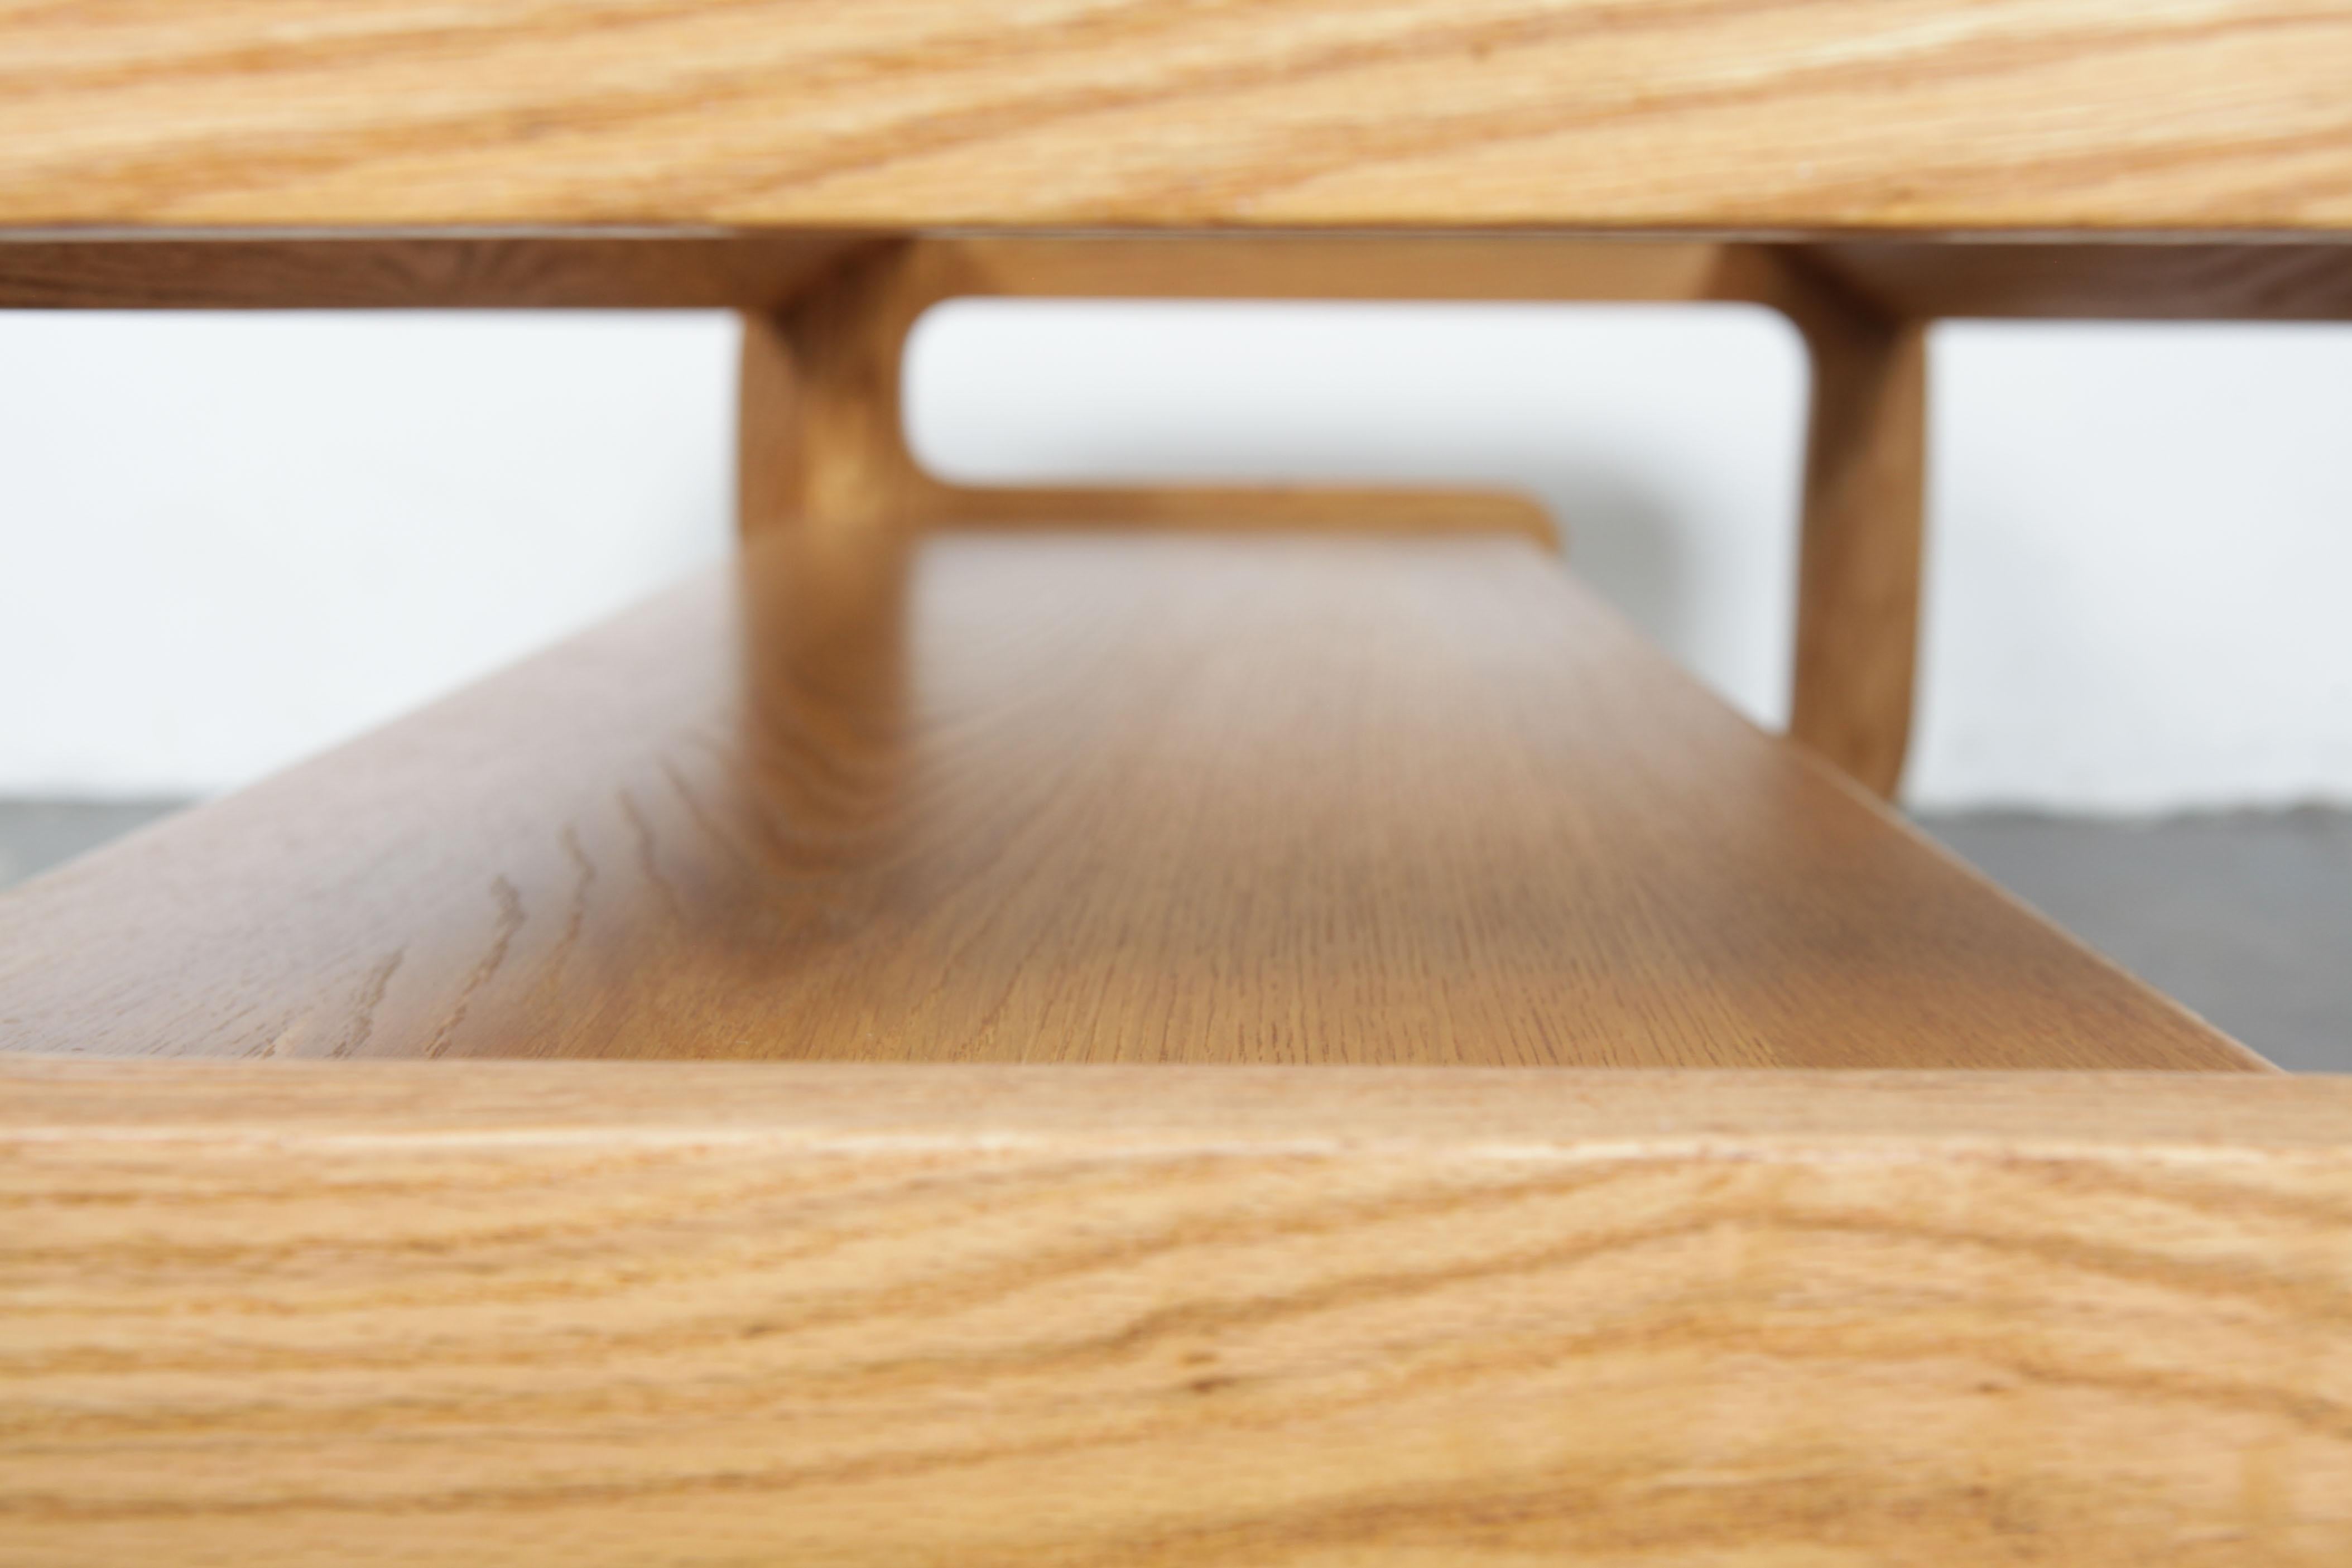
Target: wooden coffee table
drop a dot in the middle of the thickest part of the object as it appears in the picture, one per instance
(1153, 1024)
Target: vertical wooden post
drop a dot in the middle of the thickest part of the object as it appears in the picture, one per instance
(819, 443)
(1858, 567)
(1862, 533)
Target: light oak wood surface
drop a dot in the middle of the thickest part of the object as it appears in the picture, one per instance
(1072, 798)
(1743, 113)
(603, 1313)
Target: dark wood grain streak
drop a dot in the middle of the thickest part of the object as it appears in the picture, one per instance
(1065, 798)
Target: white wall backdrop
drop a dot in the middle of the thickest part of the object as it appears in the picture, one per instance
(227, 541)
(2140, 565)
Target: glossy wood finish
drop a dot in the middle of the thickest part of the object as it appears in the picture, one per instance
(588, 1314)
(1267, 799)
(1751, 113)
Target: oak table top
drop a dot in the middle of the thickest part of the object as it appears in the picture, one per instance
(1831, 115)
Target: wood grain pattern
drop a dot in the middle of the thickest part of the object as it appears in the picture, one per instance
(1073, 798)
(1745, 113)
(597, 1313)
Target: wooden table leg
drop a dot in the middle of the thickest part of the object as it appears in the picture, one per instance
(1858, 575)
(1860, 555)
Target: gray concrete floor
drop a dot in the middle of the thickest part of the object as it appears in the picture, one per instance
(2246, 917)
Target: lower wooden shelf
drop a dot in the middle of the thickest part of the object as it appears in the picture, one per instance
(1039, 797)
